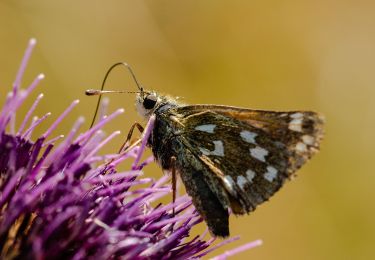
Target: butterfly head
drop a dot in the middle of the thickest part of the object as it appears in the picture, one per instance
(146, 102)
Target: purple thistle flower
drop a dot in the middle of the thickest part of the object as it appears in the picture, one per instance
(67, 202)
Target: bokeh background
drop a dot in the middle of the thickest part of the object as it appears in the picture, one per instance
(276, 55)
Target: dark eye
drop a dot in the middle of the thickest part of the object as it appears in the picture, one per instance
(149, 102)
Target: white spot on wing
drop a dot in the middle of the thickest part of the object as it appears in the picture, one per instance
(296, 115)
(271, 173)
(250, 175)
(206, 128)
(218, 151)
(219, 148)
(259, 153)
(301, 147)
(241, 182)
(296, 124)
(229, 184)
(308, 139)
(248, 136)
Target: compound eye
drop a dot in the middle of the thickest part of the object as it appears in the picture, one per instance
(150, 101)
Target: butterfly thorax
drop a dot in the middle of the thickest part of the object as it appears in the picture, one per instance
(167, 125)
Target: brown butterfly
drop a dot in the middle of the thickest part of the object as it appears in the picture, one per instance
(228, 158)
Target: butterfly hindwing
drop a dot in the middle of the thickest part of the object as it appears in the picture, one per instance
(208, 204)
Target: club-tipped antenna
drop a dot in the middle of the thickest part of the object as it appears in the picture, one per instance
(94, 92)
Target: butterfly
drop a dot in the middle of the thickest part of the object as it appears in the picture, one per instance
(229, 159)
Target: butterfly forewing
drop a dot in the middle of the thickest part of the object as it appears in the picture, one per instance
(250, 152)
(231, 158)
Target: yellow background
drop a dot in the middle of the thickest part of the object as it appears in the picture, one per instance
(276, 55)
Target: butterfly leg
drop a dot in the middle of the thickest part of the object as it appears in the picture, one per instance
(174, 183)
(126, 146)
(174, 187)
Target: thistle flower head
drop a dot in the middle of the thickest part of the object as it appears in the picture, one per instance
(65, 201)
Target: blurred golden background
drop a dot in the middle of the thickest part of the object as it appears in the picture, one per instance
(276, 55)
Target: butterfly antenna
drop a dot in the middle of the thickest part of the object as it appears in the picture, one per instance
(92, 92)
